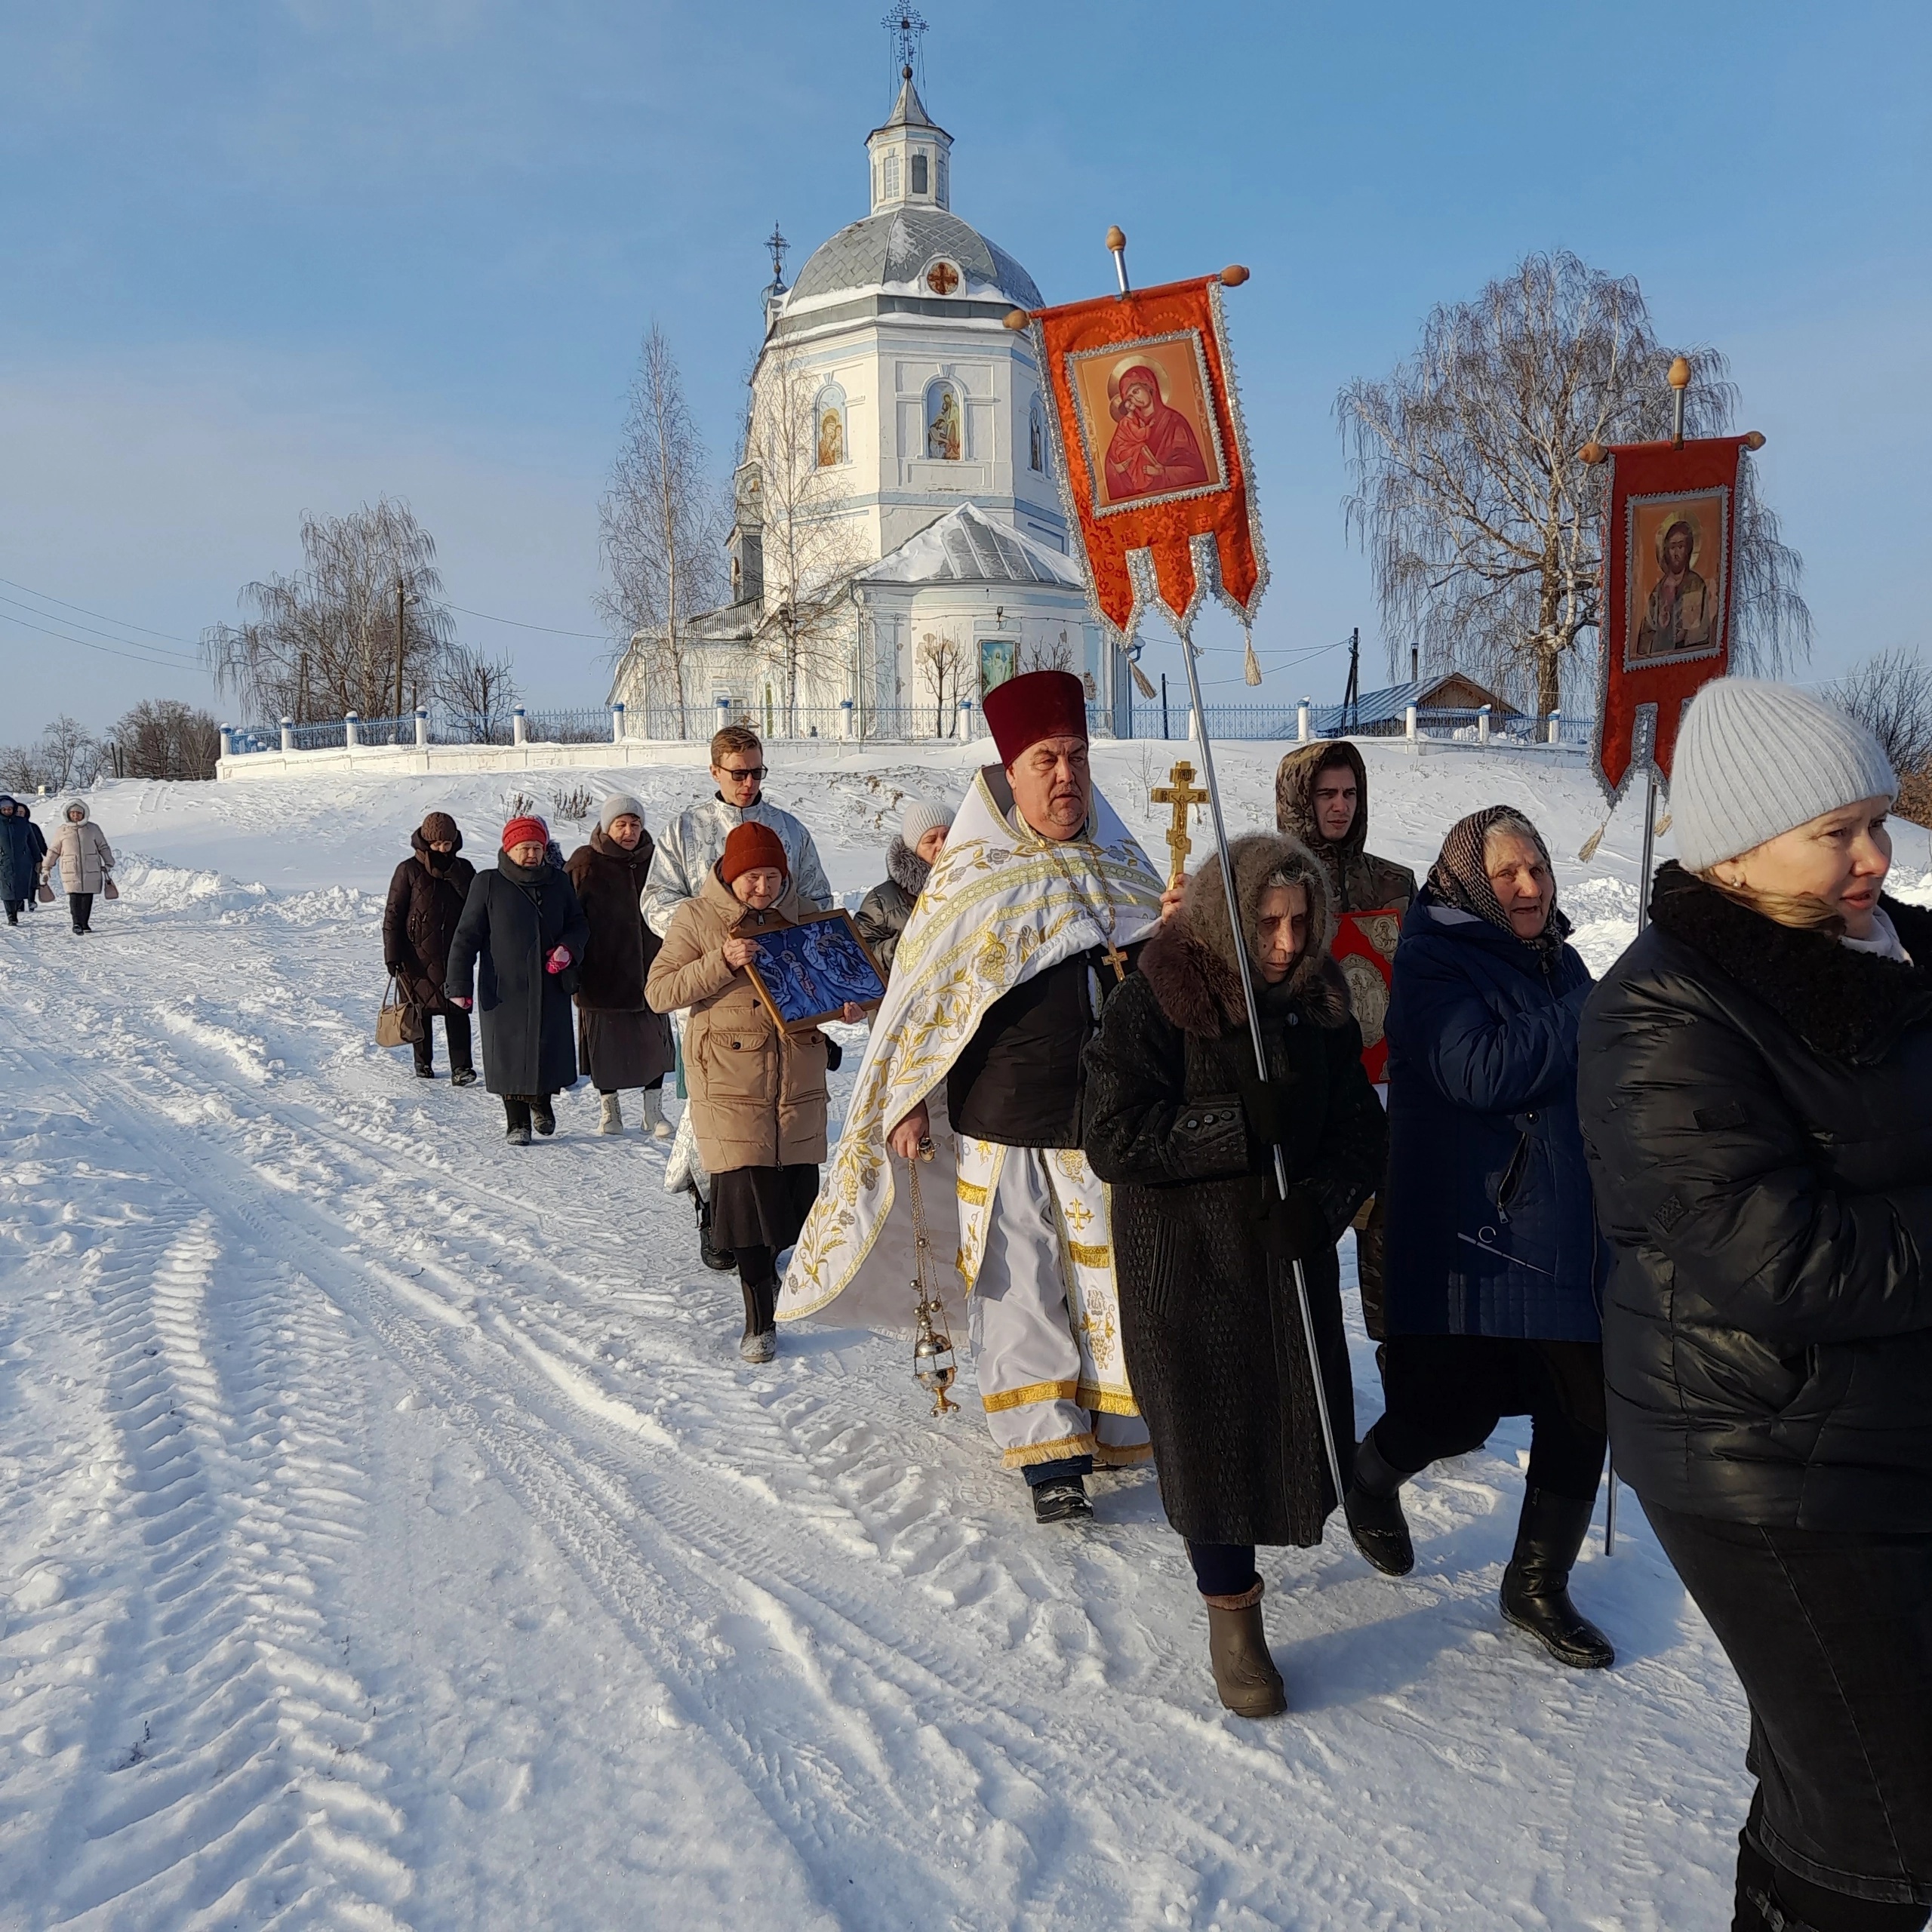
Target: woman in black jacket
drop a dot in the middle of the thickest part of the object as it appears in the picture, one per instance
(1204, 1249)
(525, 929)
(1756, 1098)
(427, 895)
(1492, 1249)
(909, 859)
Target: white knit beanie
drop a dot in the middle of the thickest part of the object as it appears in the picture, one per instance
(1754, 759)
(619, 804)
(922, 818)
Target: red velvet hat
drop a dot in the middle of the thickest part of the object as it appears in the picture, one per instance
(1042, 704)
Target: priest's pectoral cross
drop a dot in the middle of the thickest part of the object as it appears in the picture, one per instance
(1180, 793)
(1114, 958)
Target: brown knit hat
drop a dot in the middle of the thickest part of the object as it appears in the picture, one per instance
(439, 829)
(750, 846)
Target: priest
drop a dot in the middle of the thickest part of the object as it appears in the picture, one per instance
(1031, 917)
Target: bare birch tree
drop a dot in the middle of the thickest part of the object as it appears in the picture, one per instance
(943, 665)
(1891, 695)
(811, 545)
(1054, 656)
(1485, 526)
(361, 627)
(663, 522)
(478, 692)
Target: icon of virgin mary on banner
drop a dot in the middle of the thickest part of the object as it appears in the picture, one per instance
(1152, 456)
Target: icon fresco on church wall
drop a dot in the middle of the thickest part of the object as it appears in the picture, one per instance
(1147, 421)
(1036, 438)
(1674, 605)
(999, 659)
(945, 437)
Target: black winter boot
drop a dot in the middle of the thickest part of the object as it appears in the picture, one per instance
(719, 1260)
(516, 1116)
(541, 1116)
(1061, 1499)
(1372, 1509)
(1244, 1674)
(760, 1341)
(1536, 1586)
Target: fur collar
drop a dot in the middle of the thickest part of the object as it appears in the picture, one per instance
(906, 869)
(1199, 990)
(1846, 1005)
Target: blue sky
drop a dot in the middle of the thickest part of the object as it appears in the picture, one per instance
(263, 257)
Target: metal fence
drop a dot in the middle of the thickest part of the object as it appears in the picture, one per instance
(927, 724)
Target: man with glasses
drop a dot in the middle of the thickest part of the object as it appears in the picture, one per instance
(690, 846)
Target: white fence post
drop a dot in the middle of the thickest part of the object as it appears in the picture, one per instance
(519, 727)
(723, 706)
(845, 717)
(965, 720)
(228, 741)
(1303, 730)
(617, 723)
(352, 731)
(1409, 725)
(288, 734)
(422, 724)
(1482, 725)
(1556, 727)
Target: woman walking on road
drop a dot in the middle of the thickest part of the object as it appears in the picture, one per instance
(621, 1041)
(1204, 1251)
(19, 865)
(1756, 1098)
(427, 896)
(521, 939)
(758, 1093)
(1493, 1252)
(80, 849)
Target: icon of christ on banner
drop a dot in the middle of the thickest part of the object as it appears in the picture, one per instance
(1676, 561)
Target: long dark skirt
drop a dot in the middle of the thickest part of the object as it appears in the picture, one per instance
(617, 1051)
(762, 1207)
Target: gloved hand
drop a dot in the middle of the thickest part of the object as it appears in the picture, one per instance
(463, 1001)
(1265, 1104)
(559, 958)
(1296, 1229)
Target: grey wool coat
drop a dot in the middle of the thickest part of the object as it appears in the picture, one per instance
(514, 918)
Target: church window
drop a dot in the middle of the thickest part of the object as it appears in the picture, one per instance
(1036, 438)
(919, 171)
(891, 177)
(945, 422)
(939, 178)
(828, 427)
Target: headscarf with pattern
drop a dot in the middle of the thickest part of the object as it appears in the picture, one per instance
(1460, 875)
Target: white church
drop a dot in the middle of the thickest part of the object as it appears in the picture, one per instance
(899, 542)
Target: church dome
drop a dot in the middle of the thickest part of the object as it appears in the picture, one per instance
(900, 249)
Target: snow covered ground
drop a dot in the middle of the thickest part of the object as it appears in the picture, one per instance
(389, 1534)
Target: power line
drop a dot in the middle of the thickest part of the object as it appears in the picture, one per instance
(489, 617)
(114, 636)
(132, 655)
(86, 613)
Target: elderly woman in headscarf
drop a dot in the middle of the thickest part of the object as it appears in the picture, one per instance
(1204, 1250)
(1493, 1253)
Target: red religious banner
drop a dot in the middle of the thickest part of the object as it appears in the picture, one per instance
(1365, 948)
(1668, 549)
(1151, 455)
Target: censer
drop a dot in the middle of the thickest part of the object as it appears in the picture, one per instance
(933, 1364)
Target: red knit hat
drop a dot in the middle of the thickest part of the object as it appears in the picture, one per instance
(1042, 704)
(531, 831)
(750, 846)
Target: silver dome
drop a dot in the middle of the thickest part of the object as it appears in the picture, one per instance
(895, 244)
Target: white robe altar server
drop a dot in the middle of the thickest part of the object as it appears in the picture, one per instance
(1026, 923)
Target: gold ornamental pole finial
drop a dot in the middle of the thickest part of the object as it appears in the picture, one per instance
(1679, 380)
(1117, 245)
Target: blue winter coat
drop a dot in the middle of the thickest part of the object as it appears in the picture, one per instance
(1491, 1225)
(19, 858)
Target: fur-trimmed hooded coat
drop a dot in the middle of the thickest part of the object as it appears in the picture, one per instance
(1757, 1106)
(1209, 1318)
(1360, 882)
(882, 918)
(428, 892)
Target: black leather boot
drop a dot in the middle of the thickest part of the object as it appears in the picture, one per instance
(1373, 1508)
(1536, 1586)
(1244, 1674)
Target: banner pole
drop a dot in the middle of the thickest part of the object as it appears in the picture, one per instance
(1189, 654)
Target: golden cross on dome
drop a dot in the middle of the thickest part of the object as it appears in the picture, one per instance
(1179, 792)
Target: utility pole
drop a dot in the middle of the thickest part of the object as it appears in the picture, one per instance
(1164, 704)
(397, 711)
(1352, 700)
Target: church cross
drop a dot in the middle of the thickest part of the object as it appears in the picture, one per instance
(1179, 792)
(906, 29)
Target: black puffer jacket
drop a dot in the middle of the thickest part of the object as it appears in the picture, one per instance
(882, 918)
(1756, 1103)
(1209, 1320)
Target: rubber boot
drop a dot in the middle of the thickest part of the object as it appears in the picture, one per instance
(1373, 1510)
(760, 1341)
(660, 1128)
(611, 1120)
(1244, 1674)
(1536, 1586)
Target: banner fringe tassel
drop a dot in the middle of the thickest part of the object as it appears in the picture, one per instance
(1590, 844)
(1251, 669)
(1143, 683)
